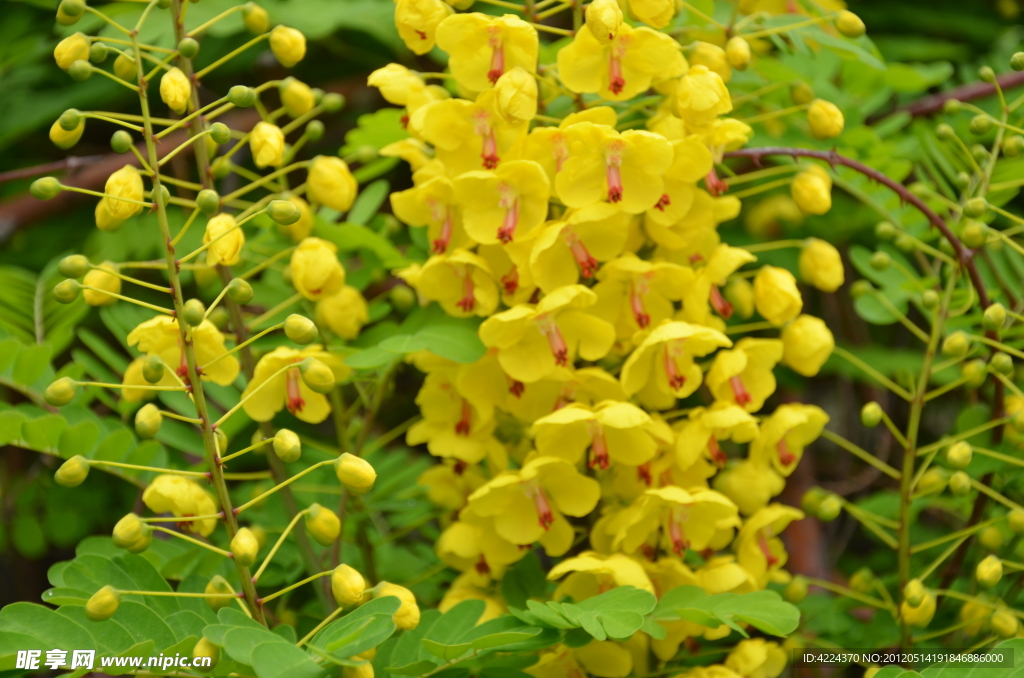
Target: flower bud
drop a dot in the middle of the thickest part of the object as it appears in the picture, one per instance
(322, 524)
(153, 369)
(820, 265)
(849, 24)
(880, 260)
(219, 317)
(986, 74)
(830, 508)
(332, 102)
(102, 279)
(884, 230)
(60, 392)
(65, 139)
(989, 571)
(226, 239)
(796, 590)
(959, 483)
(121, 141)
(103, 604)
(355, 473)
(920, 615)
(403, 298)
(871, 414)
(974, 234)
(73, 472)
(980, 124)
(347, 585)
(812, 191)
(604, 18)
(920, 189)
(255, 18)
(1017, 61)
(221, 439)
(175, 90)
(975, 372)
(287, 446)
(737, 51)
(1001, 363)
(288, 45)
(863, 580)
(242, 96)
(244, 547)
(296, 97)
(70, 11)
(811, 501)
(148, 421)
(930, 299)
(914, 592)
(283, 212)
(934, 480)
(314, 130)
(991, 538)
(73, 48)
(217, 585)
(994, 317)
(962, 180)
(1013, 146)
(408, 615)
(266, 143)
(959, 455)
(205, 648)
(956, 345)
(125, 183)
(124, 68)
(906, 243)
(515, 96)
(128, 530)
(193, 312)
(738, 292)
(188, 47)
(220, 133)
(239, 291)
(1003, 622)
(1016, 521)
(316, 375)
(208, 201)
(301, 330)
(45, 188)
(331, 183)
(359, 670)
(801, 93)
(73, 266)
(825, 119)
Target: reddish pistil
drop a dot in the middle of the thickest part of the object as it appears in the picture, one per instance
(598, 448)
(497, 58)
(675, 378)
(510, 281)
(482, 567)
(785, 456)
(508, 225)
(762, 543)
(739, 390)
(614, 179)
(441, 244)
(717, 455)
(715, 185)
(295, 402)
(556, 341)
(587, 263)
(663, 202)
(636, 302)
(643, 473)
(465, 422)
(483, 128)
(545, 516)
(516, 388)
(718, 302)
(468, 299)
(616, 81)
(679, 541)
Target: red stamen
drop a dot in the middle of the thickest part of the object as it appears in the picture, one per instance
(482, 567)
(463, 425)
(636, 302)
(663, 202)
(422, 34)
(762, 543)
(616, 82)
(718, 302)
(468, 299)
(508, 225)
(695, 257)
(717, 455)
(560, 150)
(587, 263)
(679, 541)
(510, 281)
(516, 388)
(785, 456)
(598, 448)
(545, 516)
(405, 121)
(441, 244)
(490, 150)
(614, 180)
(739, 390)
(715, 185)
(675, 378)
(556, 341)
(648, 551)
(497, 59)
(643, 473)
(294, 402)
(460, 467)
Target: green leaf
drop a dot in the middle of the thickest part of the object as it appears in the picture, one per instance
(497, 640)
(403, 343)
(369, 201)
(446, 652)
(282, 660)
(414, 669)
(459, 343)
(351, 237)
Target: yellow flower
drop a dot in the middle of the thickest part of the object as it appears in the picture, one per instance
(593, 573)
(433, 204)
(919, 616)
(621, 67)
(699, 435)
(510, 264)
(104, 220)
(450, 484)
(503, 204)
(288, 45)
(661, 369)
(460, 282)
(267, 144)
(229, 240)
(807, 343)
(316, 271)
(825, 119)
(624, 168)
(417, 22)
(691, 162)
(635, 294)
(655, 13)
(685, 518)
(725, 134)
(515, 96)
(184, 498)
(73, 48)
(64, 139)
(549, 146)
(750, 485)
(785, 434)
(160, 336)
(757, 658)
(102, 279)
(776, 295)
(566, 249)
(759, 549)
(812, 190)
(465, 588)
(587, 385)
(527, 504)
(331, 183)
(600, 658)
(743, 374)
(700, 97)
(482, 48)
(604, 19)
(408, 615)
(124, 183)
(344, 312)
(737, 51)
(533, 340)
(274, 388)
(821, 265)
(303, 226)
(467, 135)
(400, 86)
(619, 432)
(705, 293)
(175, 90)
(296, 97)
(416, 153)
(768, 217)
(472, 546)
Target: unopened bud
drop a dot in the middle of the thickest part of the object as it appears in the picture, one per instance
(188, 47)
(737, 52)
(73, 472)
(860, 288)
(314, 130)
(914, 592)
(402, 298)
(220, 133)
(974, 373)
(880, 261)
(121, 141)
(124, 67)
(255, 18)
(1017, 61)
(871, 414)
(322, 524)
(219, 317)
(974, 234)
(962, 180)
(959, 483)
(332, 102)
(221, 439)
(801, 93)
(302, 331)
(242, 96)
(980, 124)
(408, 615)
(952, 106)
(989, 571)
(811, 501)
(906, 243)
(885, 230)
(1013, 146)
(849, 24)
(244, 547)
(994, 317)
(1001, 363)
(80, 70)
(930, 299)
(287, 446)
(956, 345)
(1016, 521)
(991, 538)
(148, 421)
(796, 590)
(945, 132)
(830, 508)
(128, 530)
(73, 266)
(60, 392)
(863, 580)
(208, 201)
(218, 585)
(220, 168)
(959, 455)
(986, 74)
(355, 473)
(71, 8)
(193, 312)
(153, 369)
(283, 212)
(239, 291)
(933, 481)
(347, 585)
(161, 197)
(1003, 622)
(979, 153)
(205, 649)
(45, 188)
(103, 604)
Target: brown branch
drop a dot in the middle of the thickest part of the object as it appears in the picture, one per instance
(70, 163)
(933, 103)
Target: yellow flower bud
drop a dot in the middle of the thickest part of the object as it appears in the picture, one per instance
(227, 238)
(73, 266)
(991, 538)
(73, 472)
(300, 329)
(60, 392)
(315, 269)
(959, 483)
(825, 119)
(103, 604)
(740, 293)
(288, 45)
(255, 19)
(316, 375)
(287, 446)
(821, 265)
(331, 183)
(355, 473)
(515, 96)
(267, 144)
(297, 97)
(989, 571)
(776, 295)
(303, 226)
(205, 649)
(245, 547)
(124, 183)
(101, 279)
(919, 616)
(104, 220)
(347, 585)
(737, 51)
(959, 454)
(806, 344)
(345, 312)
(71, 49)
(1016, 521)
(914, 592)
(64, 139)
(956, 345)
(812, 191)
(849, 24)
(863, 580)
(713, 57)
(360, 671)
(322, 524)
(604, 18)
(128, 530)
(1004, 623)
(796, 590)
(701, 96)
(175, 90)
(934, 480)
(218, 585)
(148, 421)
(408, 615)
(142, 543)
(124, 68)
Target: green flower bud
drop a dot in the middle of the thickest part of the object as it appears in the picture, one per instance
(366, 153)
(980, 124)
(314, 130)
(205, 649)
(219, 317)
(986, 74)
(944, 132)
(244, 547)
(242, 96)
(860, 287)
(80, 70)
(959, 455)
(153, 369)
(863, 580)
(974, 234)
(322, 524)
(801, 93)
(871, 414)
(347, 585)
(959, 483)
(255, 18)
(287, 446)
(283, 212)
(148, 420)
(70, 119)
(60, 392)
(188, 47)
(991, 538)
(914, 592)
(1013, 146)
(796, 590)
(989, 571)
(222, 440)
(811, 501)
(208, 201)
(121, 141)
(66, 19)
(332, 102)
(880, 261)
(976, 207)
(1016, 521)
(956, 345)
(161, 197)
(45, 188)
(402, 297)
(920, 189)
(952, 106)
(962, 180)
(355, 473)
(930, 299)
(933, 481)
(885, 230)
(830, 508)
(103, 604)
(1000, 363)
(302, 331)
(975, 372)
(979, 153)
(70, 11)
(218, 585)
(220, 133)
(1017, 61)
(73, 266)
(239, 291)
(905, 243)
(1004, 624)
(193, 312)
(124, 68)
(994, 317)
(318, 95)
(73, 472)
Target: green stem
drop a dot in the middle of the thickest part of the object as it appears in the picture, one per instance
(197, 542)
